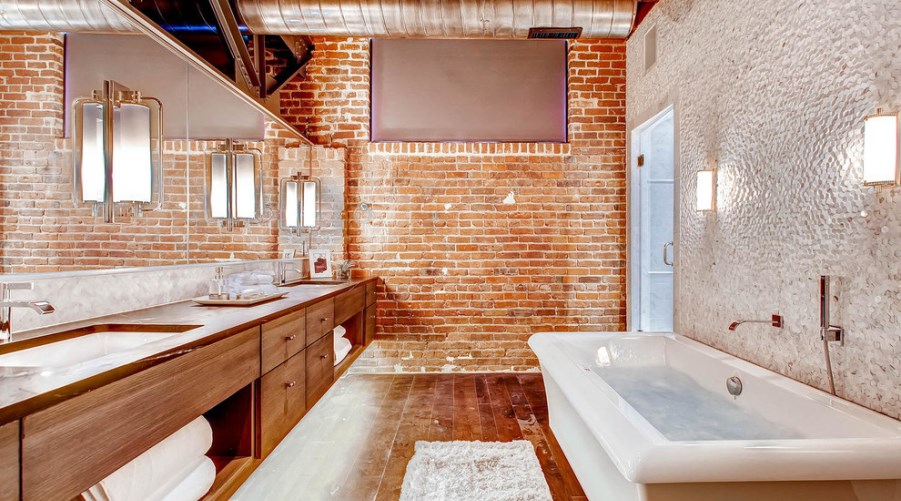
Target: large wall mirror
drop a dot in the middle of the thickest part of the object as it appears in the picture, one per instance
(43, 229)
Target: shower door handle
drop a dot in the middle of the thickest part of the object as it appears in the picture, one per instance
(666, 261)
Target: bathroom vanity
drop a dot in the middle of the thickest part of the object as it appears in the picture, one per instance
(252, 372)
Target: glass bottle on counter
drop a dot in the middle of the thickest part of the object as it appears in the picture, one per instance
(218, 285)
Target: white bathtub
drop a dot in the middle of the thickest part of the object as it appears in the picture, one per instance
(778, 440)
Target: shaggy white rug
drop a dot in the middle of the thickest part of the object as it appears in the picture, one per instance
(478, 471)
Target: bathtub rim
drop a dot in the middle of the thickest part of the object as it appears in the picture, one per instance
(644, 457)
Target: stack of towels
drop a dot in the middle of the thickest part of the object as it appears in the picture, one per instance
(175, 469)
(249, 284)
(342, 344)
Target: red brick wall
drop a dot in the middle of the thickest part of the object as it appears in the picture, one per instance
(467, 276)
(40, 230)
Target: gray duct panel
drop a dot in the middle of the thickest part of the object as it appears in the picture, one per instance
(194, 106)
(434, 19)
(469, 90)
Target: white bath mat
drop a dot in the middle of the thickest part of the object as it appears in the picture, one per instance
(478, 471)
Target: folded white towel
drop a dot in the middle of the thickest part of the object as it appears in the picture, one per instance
(195, 485)
(174, 458)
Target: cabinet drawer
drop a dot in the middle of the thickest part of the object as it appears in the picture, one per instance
(75, 444)
(282, 338)
(282, 401)
(370, 292)
(369, 325)
(320, 369)
(349, 304)
(9, 461)
(320, 319)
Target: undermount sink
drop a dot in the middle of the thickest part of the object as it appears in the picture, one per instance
(74, 347)
(316, 282)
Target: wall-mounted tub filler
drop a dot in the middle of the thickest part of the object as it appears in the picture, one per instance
(775, 321)
(6, 306)
(828, 333)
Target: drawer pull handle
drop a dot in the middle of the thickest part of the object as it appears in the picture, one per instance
(292, 337)
(323, 357)
(290, 384)
(323, 319)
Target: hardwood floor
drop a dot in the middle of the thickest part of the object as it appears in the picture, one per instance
(355, 444)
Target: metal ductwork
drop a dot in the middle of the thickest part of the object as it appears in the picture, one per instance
(61, 15)
(445, 19)
(362, 18)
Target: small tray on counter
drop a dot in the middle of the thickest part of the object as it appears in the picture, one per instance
(205, 300)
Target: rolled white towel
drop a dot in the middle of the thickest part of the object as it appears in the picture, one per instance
(171, 459)
(193, 486)
(342, 344)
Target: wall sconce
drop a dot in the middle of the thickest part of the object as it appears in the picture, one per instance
(118, 151)
(234, 185)
(300, 200)
(706, 190)
(881, 149)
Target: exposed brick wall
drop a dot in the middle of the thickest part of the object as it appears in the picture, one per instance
(40, 230)
(479, 245)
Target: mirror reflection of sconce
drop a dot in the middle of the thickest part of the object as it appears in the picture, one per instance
(118, 151)
(882, 149)
(234, 185)
(300, 201)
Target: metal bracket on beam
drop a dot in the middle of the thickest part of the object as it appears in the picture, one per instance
(228, 24)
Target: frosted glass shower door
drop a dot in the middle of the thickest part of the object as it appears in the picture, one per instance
(656, 251)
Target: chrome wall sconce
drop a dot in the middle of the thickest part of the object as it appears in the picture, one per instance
(118, 152)
(706, 190)
(234, 185)
(300, 201)
(881, 149)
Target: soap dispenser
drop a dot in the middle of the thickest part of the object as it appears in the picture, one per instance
(218, 289)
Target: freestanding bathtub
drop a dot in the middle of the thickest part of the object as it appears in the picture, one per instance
(647, 417)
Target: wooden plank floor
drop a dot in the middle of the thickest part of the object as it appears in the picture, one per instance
(356, 442)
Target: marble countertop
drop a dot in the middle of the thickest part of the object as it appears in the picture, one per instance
(25, 390)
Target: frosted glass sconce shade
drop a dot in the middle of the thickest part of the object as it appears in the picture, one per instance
(881, 149)
(132, 153)
(234, 185)
(706, 190)
(299, 203)
(118, 151)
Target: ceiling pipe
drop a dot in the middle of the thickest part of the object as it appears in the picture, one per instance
(61, 15)
(502, 19)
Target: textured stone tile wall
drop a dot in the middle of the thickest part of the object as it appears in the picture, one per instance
(773, 94)
(479, 245)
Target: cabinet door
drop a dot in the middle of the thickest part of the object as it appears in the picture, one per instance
(282, 338)
(369, 326)
(320, 320)
(282, 401)
(320, 369)
(9, 462)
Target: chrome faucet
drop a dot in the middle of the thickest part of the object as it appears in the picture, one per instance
(828, 333)
(6, 306)
(775, 321)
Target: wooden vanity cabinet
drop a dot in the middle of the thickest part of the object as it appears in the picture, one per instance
(282, 401)
(320, 370)
(9, 461)
(281, 339)
(75, 444)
